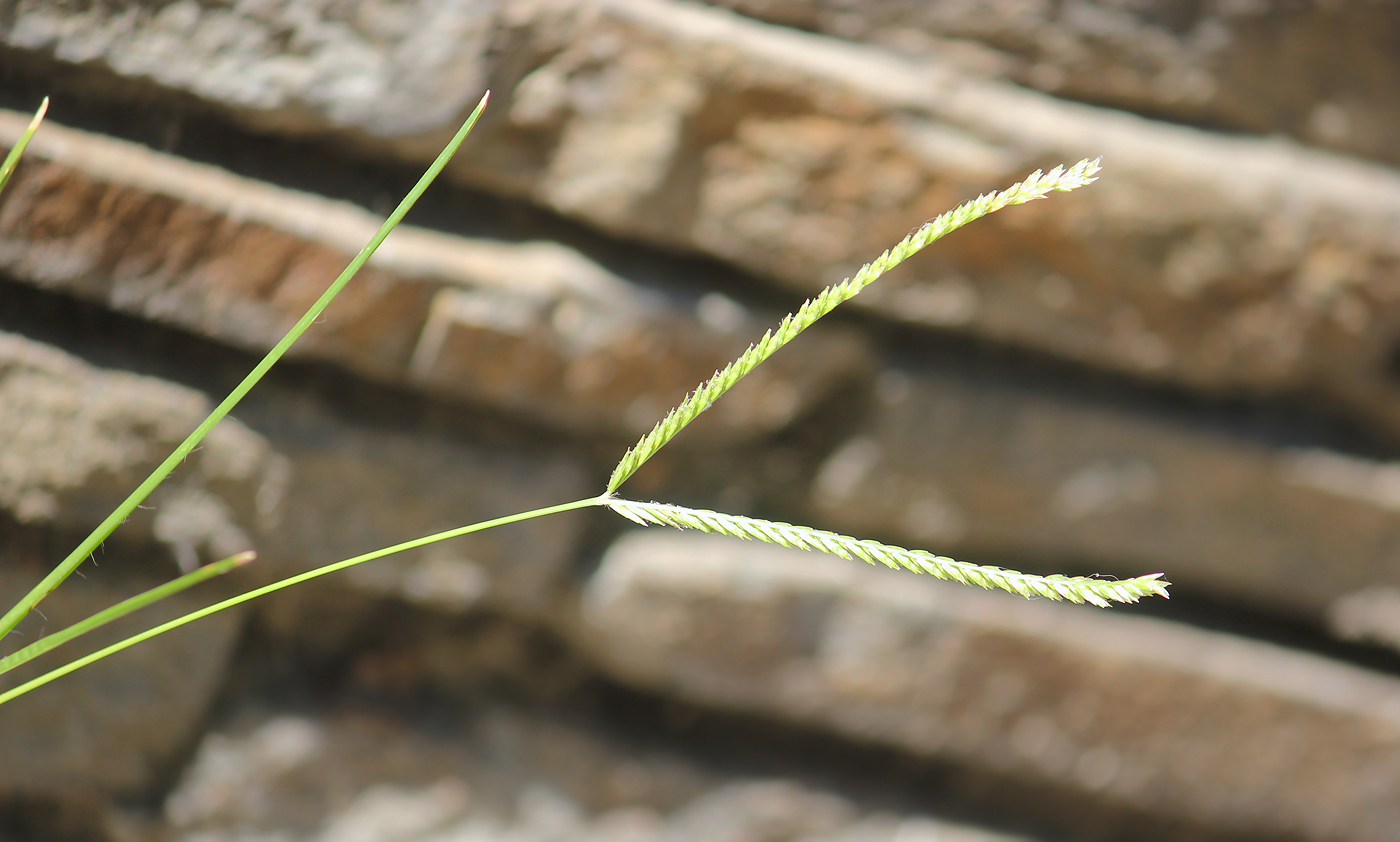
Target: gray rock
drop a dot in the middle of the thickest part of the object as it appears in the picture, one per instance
(352, 487)
(382, 67)
(78, 440)
(313, 488)
(119, 727)
(533, 328)
(324, 779)
(982, 467)
(1322, 72)
(1368, 615)
(1235, 735)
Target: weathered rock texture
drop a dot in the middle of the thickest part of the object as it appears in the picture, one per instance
(962, 461)
(1224, 263)
(120, 726)
(313, 488)
(507, 779)
(78, 440)
(1324, 72)
(1235, 734)
(382, 67)
(534, 328)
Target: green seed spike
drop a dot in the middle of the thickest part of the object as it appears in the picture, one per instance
(1080, 589)
(1037, 185)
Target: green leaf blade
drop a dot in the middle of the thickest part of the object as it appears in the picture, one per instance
(12, 160)
(127, 606)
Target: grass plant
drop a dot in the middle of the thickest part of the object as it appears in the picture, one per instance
(1092, 590)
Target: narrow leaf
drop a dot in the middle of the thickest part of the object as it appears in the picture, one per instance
(123, 608)
(89, 544)
(186, 619)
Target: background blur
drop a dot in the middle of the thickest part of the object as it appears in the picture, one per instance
(1190, 367)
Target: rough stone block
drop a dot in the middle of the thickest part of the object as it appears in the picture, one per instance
(76, 440)
(311, 487)
(119, 727)
(1240, 736)
(1223, 263)
(342, 779)
(1220, 262)
(533, 328)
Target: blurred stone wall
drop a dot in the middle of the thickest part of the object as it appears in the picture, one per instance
(1189, 367)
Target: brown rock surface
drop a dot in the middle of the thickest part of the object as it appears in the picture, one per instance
(462, 379)
(534, 328)
(1237, 735)
(313, 487)
(74, 441)
(1224, 263)
(1324, 72)
(79, 439)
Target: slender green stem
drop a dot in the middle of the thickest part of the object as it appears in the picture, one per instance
(12, 160)
(286, 583)
(91, 543)
(121, 609)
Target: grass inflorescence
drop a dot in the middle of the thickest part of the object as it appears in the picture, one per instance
(1038, 185)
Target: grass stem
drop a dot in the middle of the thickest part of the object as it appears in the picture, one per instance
(287, 583)
(121, 609)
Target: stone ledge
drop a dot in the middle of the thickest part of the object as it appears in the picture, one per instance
(981, 466)
(1325, 73)
(344, 778)
(1139, 712)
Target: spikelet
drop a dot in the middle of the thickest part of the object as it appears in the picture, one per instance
(1037, 185)
(1081, 589)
